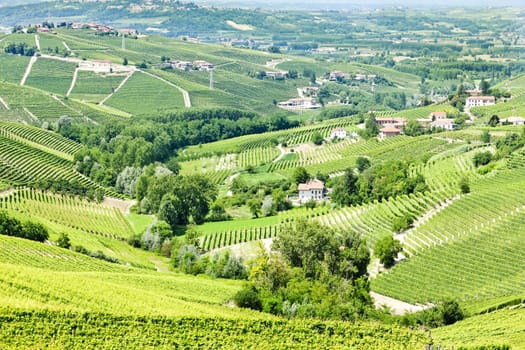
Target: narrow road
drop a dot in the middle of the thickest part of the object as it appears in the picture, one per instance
(283, 153)
(73, 82)
(4, 103)
(28, 69)
(397, 307)
(37, 41)
(117, 88)
(34, 117)
(185, 94)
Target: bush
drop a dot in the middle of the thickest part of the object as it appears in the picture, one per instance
(464, 185)
(386, 249)
(64, 241)
(402, 223)
(248, 298)
(482, 158)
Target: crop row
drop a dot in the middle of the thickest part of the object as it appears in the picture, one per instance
(70, 212)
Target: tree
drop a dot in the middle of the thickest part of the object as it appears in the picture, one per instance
(274, 49)
(482, 158)
(300, 175)
(386, 249)
(248, 298)
(371, 128)
(64, 241)
(362, 163)
(485, 136)
(346, 189)
(125, 61)
(484, 86)
(413, 128)
(255, 207)
(494, 120)
(34, 231)
(172, 211)
(464, 185)
(317, 139)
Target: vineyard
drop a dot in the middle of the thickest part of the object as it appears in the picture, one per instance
(51, 75)
(93, 330)
(82, 215)
(143, 93)
(94, 87)
(482, 248)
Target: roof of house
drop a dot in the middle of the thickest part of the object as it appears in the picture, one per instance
(390, 129)
(485, 98)
(338, 129)
(439, 114)
(311, 185)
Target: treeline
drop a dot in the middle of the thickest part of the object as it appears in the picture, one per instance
(141, 141)
(20, 49)
(11, 226)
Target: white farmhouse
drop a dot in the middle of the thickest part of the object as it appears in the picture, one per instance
(338, 133)
(312, 190)
(476, 101)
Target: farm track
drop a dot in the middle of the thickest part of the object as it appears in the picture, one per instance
(185, 94)
(28, 70)
(73, 82)
(4, 104)
(117, 88)
(37, 42)
(65, 45)
(397, 307)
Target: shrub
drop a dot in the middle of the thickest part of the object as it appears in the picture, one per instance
(248, 298)
(64, 241)
(386, 249)
(482, 158)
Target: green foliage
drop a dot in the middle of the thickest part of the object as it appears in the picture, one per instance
(371, 129)
(413, 128)
(248, 298)
(362, 163)
(444, 313)
(300, 175)
(464, 185)
(485, 136)
(317, 139)
(402, 223)
(386, 249)
(64, 241)
(482, 158)
(11, 226)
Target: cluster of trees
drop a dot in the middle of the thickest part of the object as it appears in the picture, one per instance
(315, 272)
(11, 226)
(141, 141)
(221, 265)
(20, 49)
(176, 199)
(378, 182)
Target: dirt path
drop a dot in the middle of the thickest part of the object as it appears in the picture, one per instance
(34, 117)
(121, 204)
(65, 45)
(7, 193)
(397, 307)
(117, 88)
(185, 94)
(4, 104)
(283, 153)
(37, 41)
(73, 82)
(28, 69)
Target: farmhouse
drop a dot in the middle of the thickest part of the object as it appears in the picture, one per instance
(388, 132)
(513, 121)
(182, 65)
(445, 124)
(398, 123)
(437, 115)
(364, 77)
(338, 133)
(475, 101)
(336, 75)
(203, 65)
(311, 190)
(276, 75)
(299, 103)
(127, 31)
(101, 66)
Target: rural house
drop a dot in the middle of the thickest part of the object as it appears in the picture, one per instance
(339, 133)
(311, 190)
(476, 101)
(388, 132)
(445, 124)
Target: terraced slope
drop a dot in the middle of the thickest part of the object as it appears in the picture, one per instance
(471, 249)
